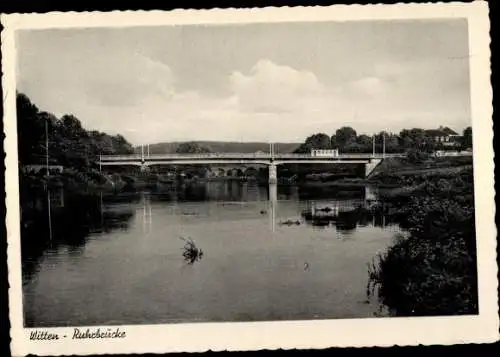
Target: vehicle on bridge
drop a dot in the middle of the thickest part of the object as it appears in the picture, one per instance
(325, 152)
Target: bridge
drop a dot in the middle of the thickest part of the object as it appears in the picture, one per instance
(270, 159)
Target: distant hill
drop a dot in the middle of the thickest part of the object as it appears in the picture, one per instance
(222, 147)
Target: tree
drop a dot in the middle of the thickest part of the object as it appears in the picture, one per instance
(412, 138)
(365, 143)
(333, 141)
(405, 140)
(345, 136)
(417, 156)
(30, 131)
(467, 138)
(70, 144)
(391, 142)
(315, 141)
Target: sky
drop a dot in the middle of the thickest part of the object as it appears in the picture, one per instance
(276, 82)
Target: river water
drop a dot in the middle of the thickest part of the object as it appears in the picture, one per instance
(129, 267)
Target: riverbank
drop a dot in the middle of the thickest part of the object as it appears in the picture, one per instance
(431, 271)
(394, 172)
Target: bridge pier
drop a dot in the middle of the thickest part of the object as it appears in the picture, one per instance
(273, 174)
(370, 166)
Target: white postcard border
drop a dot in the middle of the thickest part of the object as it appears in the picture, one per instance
(201, 337)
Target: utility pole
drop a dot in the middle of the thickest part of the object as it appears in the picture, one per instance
(148, 151)
(47, 148)
(142, 152)
(48, 176)
(373, 144)
(383, 138)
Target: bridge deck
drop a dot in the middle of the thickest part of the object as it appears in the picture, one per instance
(230, 162)
(242, 156)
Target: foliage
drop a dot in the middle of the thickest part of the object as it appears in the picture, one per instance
(347, 140)
(345, 136)
(69, 144)
(432, 271)
(315, 141)
(417, 156)
(467, 138)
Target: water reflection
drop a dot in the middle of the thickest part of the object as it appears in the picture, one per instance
(257, 241)
(147, 213)
(345, 213)
(273, 205)
(72, 224)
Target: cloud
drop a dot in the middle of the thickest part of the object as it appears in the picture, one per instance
(371, 87)
(139, 98)
(121, 79)
(271, 88)
(126, 81)
(192, 82)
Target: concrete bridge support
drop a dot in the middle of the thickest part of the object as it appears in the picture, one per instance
(370, 166)
(273, 174)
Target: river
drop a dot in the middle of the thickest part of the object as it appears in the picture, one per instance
(128, 268)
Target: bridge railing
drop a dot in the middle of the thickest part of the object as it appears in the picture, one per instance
(240, 156)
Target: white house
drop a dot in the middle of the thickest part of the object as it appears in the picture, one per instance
(325, 152)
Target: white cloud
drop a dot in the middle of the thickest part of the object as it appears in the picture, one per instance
(137, 97)
(234, 83)
(121, 79)
(371, 87)
(270, 88)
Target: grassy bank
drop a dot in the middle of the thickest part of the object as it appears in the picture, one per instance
(397, 172)
(394, 165)
(431, 271)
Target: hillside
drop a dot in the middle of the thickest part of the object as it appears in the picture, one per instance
(221, 146)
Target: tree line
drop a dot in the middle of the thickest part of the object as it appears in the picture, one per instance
(347, 140)
(69, 144)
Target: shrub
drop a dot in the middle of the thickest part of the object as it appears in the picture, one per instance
(432, 271)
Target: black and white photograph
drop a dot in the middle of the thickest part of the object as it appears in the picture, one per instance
(246, 172)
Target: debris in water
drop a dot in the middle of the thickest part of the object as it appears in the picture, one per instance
(290, 222)
(191, 252)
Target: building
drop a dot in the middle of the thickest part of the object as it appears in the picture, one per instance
(325, 152)
(443, 135)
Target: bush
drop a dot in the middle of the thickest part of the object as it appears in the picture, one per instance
(432, 271)
(417, 156)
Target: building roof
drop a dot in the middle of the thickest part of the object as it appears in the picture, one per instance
(449, 131)
(441, 132)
